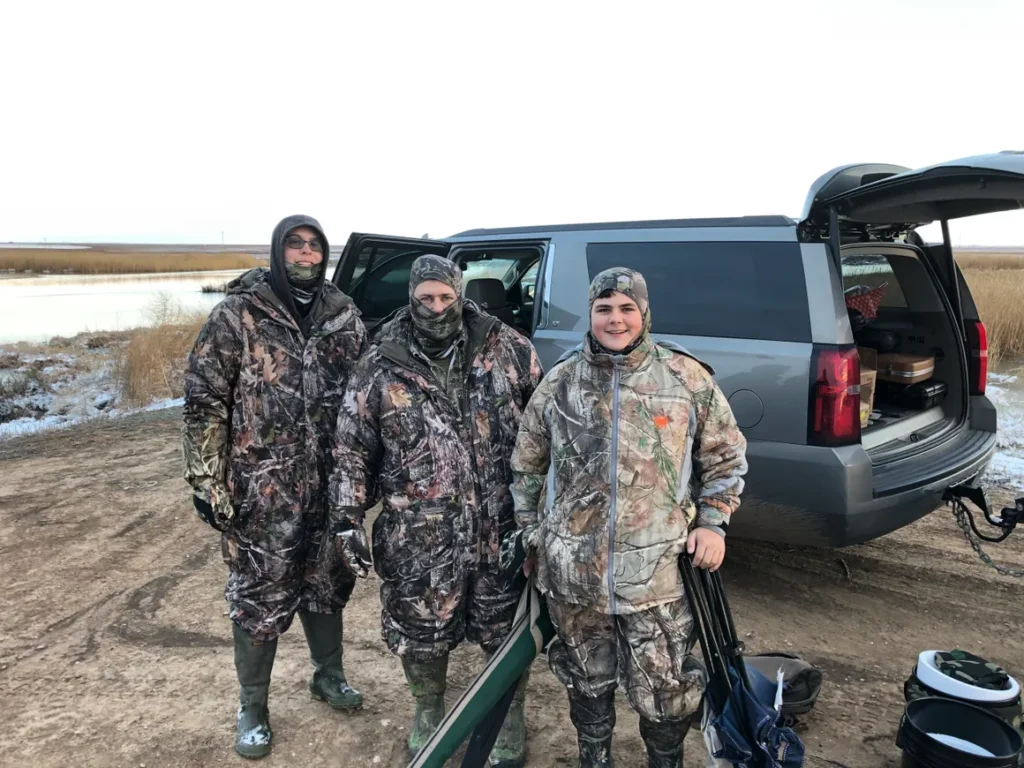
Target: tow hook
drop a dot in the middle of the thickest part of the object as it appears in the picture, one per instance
(1008, 516)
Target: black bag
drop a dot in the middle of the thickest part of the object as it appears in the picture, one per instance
(801, 681)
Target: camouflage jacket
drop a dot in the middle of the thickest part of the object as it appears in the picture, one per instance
(640, 449)
(402, 438)
(261, 400)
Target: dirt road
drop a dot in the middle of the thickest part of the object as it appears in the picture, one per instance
(114, 640)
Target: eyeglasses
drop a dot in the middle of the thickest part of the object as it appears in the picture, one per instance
(296, 242)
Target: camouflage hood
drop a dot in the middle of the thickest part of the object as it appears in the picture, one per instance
(435, 332)
(630, 283)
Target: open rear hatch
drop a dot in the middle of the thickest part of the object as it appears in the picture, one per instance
(881, 205)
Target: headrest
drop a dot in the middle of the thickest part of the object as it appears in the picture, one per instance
(488, 292)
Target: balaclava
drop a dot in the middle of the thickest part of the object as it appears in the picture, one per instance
(435, 332)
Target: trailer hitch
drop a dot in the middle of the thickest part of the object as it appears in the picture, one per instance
(1008, 516)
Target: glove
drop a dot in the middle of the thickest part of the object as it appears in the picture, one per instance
(350, 540)
(517, 556)
(213, 506)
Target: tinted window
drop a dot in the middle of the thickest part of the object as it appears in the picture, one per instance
(384, 288)
(734, 290)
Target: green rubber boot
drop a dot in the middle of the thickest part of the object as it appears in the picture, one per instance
(253, 663)
(427, 683)
(323, 635)
(509, 750)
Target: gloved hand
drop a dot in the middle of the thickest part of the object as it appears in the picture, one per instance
(213, 506)
(350, 540)
(517, 556)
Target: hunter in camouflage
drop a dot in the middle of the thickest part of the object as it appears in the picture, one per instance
(645, 461)
(427, 426)
(262, 390)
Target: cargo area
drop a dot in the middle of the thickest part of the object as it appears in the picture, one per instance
(912, 371)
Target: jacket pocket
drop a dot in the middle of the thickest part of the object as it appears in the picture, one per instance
(408, 544)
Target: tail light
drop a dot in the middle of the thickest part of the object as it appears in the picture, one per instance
(834, 414)
(977, 356)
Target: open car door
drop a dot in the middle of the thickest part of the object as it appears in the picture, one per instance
(895, 197)
(374, 271)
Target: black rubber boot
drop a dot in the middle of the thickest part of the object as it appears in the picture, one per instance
(323, 635)
(594, 720)
(664, 741)
(427, 683)
(253, 663)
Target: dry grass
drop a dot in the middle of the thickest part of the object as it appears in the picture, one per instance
(152, 364)
(108, 262)
(983, 260)
(996, 281)
(998, 294)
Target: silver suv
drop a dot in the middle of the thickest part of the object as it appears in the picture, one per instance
(762, 299)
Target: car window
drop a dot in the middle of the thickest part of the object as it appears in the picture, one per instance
(872, 270)
(487, 268)
(724, 289)
(386, 287)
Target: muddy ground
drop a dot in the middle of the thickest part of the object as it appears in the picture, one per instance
(114, 641)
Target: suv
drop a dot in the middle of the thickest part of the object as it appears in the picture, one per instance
(761, 299)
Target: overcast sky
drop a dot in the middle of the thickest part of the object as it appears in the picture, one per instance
(178, 121)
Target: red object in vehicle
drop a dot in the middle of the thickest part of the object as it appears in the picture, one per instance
(867, 303)
(834, 410)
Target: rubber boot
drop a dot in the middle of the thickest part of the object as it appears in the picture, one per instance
(664, 741)
(509, 750)
(253, 663)
(594, 720)
(323, 635)
(427, 683)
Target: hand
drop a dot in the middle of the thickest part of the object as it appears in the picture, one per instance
(354, 550)
(213, 506)
(530, 564)
(707, 549)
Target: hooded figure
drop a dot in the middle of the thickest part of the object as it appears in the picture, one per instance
(262, 390)
(645, 461)
(427, 426)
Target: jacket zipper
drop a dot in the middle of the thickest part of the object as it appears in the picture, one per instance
(613, 487)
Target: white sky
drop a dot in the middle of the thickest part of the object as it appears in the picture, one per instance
(174, 121)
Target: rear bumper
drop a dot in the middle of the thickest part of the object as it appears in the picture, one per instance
(798, 494)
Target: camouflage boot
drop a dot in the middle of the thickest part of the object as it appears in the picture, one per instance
(323, 635)
(664, 741)
(509, 750)
(253, 663)
(594, 720)
(427, 682)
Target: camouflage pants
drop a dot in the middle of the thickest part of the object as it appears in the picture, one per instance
(649, 651)
(272, 575)
(423, 619)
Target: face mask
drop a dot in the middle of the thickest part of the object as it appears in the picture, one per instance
(302, 273)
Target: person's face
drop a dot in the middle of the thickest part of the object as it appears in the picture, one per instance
(303, 246)
(435, 295)
(615, 321)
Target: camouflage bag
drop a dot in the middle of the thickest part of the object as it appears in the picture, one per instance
(968, 668)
